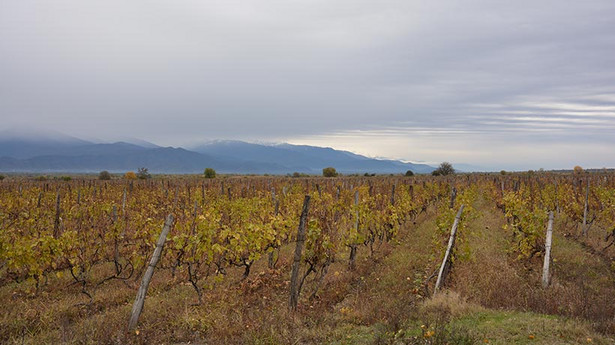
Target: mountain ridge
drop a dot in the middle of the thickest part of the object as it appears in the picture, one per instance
(48, 155)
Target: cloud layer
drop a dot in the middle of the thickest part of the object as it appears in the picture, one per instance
(516, 85)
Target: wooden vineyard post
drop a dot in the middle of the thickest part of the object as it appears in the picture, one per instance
(393, 195)
(353, 246)
(545, 266)
(585, 210)
(556, 198)
(447, 255)
(271, 262)
(294, 288)
(56, 222)
(137, 307)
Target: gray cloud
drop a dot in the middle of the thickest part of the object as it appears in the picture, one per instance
(499, 77)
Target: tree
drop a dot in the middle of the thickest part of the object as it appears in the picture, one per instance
(209, 173)
(577, 170)
(1, 177)
(142, 174)
(329, 172)
(444, 169)
(130, 175)
(104, 175)
(409, 173)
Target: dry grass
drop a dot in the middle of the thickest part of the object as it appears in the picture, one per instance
(381, 302)
(581, 281)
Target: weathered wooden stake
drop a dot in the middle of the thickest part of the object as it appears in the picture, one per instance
(453, 197)
(124, 203)
(556, 198)
(56, 223)
(585, 210)
(393, 195)
(447, 256)
(137, 307)
(294, 287)
(545, 266)
(353, 246)
(203, 193)
(276, 207)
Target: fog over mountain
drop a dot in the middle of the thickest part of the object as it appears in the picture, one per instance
(511, 85)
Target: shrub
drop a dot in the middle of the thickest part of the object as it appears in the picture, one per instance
(104, 175)
(2, 177)
(444, 169)
(142, 174)
(209, 173)
(502, 172)
(329, 172)
(130, 175)
(65, 178)
(41, 178)
(409, 173)
(577, 170)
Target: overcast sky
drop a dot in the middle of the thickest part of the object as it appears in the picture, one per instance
(518, 84)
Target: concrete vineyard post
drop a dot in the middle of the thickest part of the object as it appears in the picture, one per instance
(548, 240)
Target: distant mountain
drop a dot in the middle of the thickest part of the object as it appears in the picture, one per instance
(307, 159)
(57, 153)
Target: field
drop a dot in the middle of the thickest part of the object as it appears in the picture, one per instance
(362, 267)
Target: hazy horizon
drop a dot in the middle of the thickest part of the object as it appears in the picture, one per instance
(513, 86)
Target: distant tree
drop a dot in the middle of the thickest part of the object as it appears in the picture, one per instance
(65, 178)
(577, 170)
(130, 175)
(444, 169)
(409, 173)
(502, 172)
(329, 172)
(209, 173)
(2, 177)
(142, 174)
(104, 175)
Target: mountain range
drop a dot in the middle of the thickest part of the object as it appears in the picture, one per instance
(51, 153)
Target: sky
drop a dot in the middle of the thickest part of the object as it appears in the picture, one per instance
(516, 85)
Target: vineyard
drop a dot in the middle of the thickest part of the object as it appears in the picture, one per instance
(345, 260)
